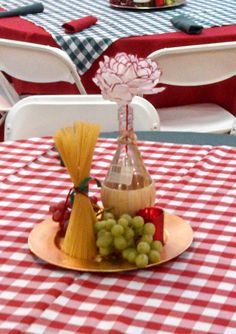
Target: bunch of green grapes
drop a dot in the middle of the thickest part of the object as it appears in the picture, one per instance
(129, 238)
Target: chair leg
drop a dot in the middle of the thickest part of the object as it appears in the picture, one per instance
(2, 117)
(233, 129)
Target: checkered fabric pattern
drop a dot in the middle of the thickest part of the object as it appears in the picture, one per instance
(194, 293)
(86, 46)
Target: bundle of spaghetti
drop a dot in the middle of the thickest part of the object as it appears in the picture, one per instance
(76, 146)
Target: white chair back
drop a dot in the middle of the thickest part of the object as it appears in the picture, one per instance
(196, 65)
(33, 63)
(38, 116)
(37, 63)
(193, 66)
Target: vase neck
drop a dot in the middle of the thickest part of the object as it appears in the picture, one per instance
(125, 116)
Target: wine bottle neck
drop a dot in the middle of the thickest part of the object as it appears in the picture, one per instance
(125, 117)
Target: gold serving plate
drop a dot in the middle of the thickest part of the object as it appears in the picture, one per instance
(177, 3)
(44, 242)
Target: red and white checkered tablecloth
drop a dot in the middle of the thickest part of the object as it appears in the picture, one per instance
(194, 293)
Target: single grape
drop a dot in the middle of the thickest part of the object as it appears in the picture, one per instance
(117, 230)
(137, 222)
(105, 251)
(52, 208)
(143, 247)
(57, 215)
(147, 238)
(157, 245)
(149, 228)
(66, 215)
(61, 205)
(120, 243)
(107, 215)
(131, 256)
(154, 256)
(110, 223)
(101, 232)
(123, 222)
(138, 232)
(105, 240)
(141, 260)
(125, 253)
(129, 233)
(100, 225)
(131, 243)
(126, 216)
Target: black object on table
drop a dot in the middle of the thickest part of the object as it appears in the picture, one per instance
(186, 24)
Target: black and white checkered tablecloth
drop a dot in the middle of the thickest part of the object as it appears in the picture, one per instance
(86, 46)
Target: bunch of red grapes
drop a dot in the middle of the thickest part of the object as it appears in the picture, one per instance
(61, 211)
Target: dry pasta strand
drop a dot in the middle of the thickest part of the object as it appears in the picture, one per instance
(76, 146)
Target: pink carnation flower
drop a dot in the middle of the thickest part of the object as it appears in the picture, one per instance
(124, 76)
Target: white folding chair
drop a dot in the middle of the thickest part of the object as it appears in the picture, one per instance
(194, 66)
(33, 63)
(42, 115)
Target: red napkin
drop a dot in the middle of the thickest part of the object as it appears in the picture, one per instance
(79, 24)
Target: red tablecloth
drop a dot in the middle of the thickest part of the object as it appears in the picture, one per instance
(194, 293)
(222, 93)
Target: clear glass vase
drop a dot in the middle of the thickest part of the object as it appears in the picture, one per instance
(128, 186)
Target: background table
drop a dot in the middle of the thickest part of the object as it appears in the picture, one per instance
(222, 93)
(192, 138)
(194, 293)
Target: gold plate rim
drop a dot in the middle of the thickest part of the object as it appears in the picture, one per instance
(176, 4)
(42, 243)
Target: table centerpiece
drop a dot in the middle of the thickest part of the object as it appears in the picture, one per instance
(128, 186)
